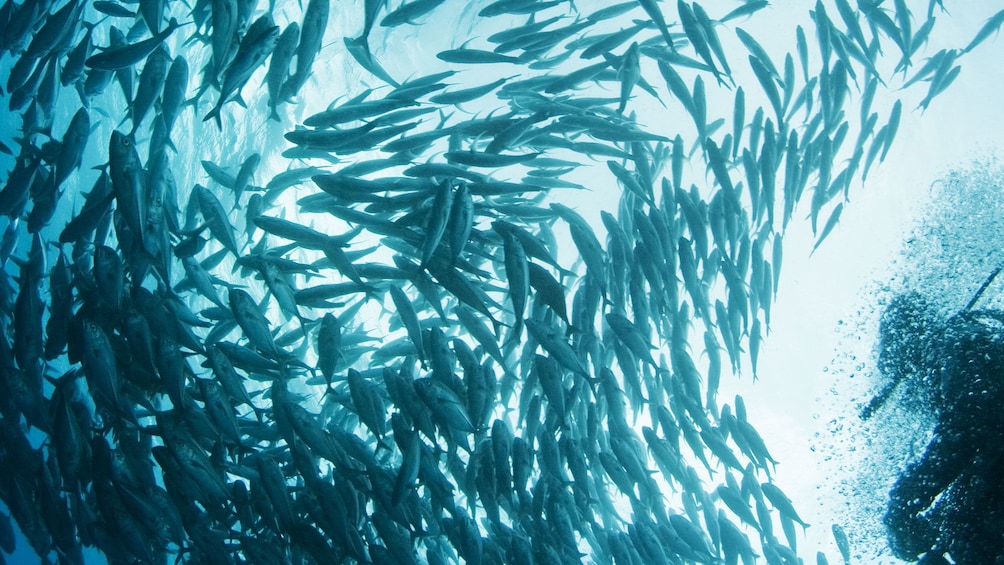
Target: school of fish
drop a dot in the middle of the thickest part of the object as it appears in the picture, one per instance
(407, 368)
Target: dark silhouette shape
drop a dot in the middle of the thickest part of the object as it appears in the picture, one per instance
(951, 500)
(905, 331)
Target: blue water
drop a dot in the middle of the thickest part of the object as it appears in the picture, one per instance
(808, 213)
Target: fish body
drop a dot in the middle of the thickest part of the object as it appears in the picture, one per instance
(74, 142)
(117, 58)
(461, 220)
(629, 74)
(553, 342)
(245, 175)
(548, 290)
(54, 31)
(259, 42)
(518, 274)
(360, 51)
(369, 405)
(315, 21)
(151, 82)
(98, 360)
(436, 222)
(409, 318)
(279, 66)
(223, 16)
(447, 408)
(174, 88)
(128, 183)
(253, 322)
(216, 219)
(409, 12)
(473, 56)
(74, 67)
(467, 94)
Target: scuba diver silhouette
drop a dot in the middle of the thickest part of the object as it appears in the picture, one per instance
(950, 500)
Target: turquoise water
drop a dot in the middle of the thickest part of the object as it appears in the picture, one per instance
(674, 176)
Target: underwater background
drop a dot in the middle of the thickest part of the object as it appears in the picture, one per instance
(475, 325)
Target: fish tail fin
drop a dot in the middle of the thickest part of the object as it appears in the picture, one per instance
(305, 326)
(197, 36)
(381, 444)
(85, 101)
(496, 325)
(215, 114)
(194, 100)
(511, 342)
(327, 389)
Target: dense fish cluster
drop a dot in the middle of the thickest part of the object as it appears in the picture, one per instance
(408, 368)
